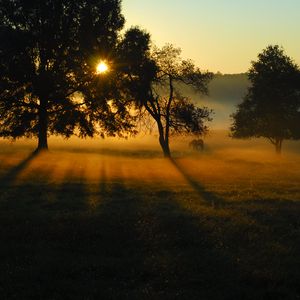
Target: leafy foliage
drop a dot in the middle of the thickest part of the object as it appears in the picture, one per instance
(154, 87)
(48, 55)
(186, 118)
(271, 108)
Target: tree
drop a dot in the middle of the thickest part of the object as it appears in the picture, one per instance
(155, 84)
(271, 107)
(48, 53)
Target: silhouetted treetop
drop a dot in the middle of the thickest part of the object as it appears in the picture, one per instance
(172, 66)
(152, 85)
(48, 54)
(271, 108)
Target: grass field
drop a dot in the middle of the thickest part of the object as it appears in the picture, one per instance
(115, 220)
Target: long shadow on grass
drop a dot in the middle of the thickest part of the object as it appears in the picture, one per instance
(207, 196)
(22, 225)
(13, 173)
(135, 154)
(86, 254)
(138, 243)
(135, 245)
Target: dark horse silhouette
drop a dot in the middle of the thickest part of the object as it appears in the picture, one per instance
(197, 145)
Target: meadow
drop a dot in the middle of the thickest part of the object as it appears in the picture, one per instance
(113, 219)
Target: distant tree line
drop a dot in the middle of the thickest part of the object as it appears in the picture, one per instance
(49, 85)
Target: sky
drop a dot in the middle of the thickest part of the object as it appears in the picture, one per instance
(219, 35)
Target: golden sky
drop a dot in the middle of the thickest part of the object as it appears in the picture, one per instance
(219, 35)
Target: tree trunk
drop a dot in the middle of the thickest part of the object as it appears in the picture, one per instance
(278, 146)
(167, 128)
(42, 126)
(164, 143)
(165, 147)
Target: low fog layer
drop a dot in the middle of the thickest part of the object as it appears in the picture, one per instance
(225, 92)
(216, 142)
(223, 165)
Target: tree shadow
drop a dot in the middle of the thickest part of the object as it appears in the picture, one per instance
(207, 196)
(86, 254)
(69, 196)
(131, 247)
(28, 196)
(142, 153)
(137, 243)
(13, 173)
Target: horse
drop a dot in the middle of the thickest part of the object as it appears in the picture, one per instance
(197, 145)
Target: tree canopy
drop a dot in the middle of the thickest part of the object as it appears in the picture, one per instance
(156, 89)
(271, 107)
(48, 55)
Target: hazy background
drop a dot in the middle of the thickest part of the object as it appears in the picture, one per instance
(220, 36)
(225, 92)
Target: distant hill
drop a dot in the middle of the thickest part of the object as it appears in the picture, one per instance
(225, 92)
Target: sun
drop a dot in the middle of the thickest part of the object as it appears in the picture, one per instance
(102, 67)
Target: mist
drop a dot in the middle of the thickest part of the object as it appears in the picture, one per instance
(225, 92)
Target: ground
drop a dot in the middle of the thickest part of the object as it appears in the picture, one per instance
(121, 222)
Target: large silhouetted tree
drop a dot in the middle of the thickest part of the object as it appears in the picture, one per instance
(48, 53)
(155, 84)
(271, 108)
